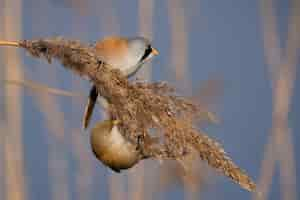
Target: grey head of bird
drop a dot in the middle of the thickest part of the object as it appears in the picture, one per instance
(126, 54)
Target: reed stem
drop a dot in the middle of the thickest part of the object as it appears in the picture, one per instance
(9, 43)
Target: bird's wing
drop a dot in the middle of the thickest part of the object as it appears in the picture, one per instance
(89, 108)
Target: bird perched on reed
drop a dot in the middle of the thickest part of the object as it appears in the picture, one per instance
(125, 54)
(107, 142)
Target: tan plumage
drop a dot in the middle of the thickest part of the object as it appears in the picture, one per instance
(125, 54)
(111, 48)
(111, 148)
(107, 142)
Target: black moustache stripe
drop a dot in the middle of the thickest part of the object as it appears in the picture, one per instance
(147, 52)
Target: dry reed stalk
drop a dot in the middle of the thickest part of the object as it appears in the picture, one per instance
(144, 109)
(192, 177)
(57, 166)
(136, 178)
(146, 12)
(116, 187)
(85, 180)
(110, 26)
(3, 128)
(86, 170)
(108, 18)
(282, 69)
(55, 122)
(179, 48)
(41, 88)
(15, 188)
(179, 64)
(85, 173)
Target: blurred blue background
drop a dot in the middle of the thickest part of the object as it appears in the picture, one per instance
(217, 39)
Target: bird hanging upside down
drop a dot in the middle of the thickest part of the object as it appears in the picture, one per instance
(112, 148)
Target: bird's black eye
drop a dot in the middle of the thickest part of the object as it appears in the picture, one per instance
(147, 52)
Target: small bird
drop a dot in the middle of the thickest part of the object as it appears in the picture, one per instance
(125, 54)
(111, 148)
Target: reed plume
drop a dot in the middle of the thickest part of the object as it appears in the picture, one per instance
(153, 116)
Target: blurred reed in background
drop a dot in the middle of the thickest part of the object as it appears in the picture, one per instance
(179, 69)
(110, 26)
(12, 143)
(281, 63)
(13, 183)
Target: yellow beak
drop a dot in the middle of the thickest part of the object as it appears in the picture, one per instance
(116, 122)
(154, 51)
